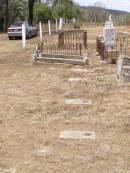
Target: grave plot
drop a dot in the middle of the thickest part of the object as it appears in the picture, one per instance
(111, 45)
(69, 49)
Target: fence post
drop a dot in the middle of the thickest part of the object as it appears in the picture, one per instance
(61, 39)
(49, 26)
(61, 24)
(40, 27)
(56, 25)
(85, 40)
(80, 47)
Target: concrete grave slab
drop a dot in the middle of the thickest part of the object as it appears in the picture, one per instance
(77, 135)
(78, 102)
(78, 79)
(78, 70)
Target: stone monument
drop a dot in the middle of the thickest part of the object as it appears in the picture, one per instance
(109, 33)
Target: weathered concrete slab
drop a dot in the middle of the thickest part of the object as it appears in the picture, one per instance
(78, 70)
(78, 79)
(61, 60)
(77, 135)
(78, 102)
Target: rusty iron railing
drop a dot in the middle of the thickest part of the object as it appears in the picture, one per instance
(122, 46)
(66, 49)
(73, 37)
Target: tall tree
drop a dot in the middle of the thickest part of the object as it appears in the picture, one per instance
(30, 8)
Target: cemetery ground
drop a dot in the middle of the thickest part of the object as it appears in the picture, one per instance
(33, 112)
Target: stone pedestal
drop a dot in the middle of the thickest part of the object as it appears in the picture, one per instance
(109, 34)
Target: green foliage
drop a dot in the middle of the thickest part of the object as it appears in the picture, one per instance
(18, 10)
(42, 13)
(66, 9)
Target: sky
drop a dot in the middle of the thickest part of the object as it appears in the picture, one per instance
(112, 4)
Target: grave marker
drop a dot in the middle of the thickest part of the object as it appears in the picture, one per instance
(78, 102)
(78, 70)
(109, 33)
(78, 79)
(77, 135)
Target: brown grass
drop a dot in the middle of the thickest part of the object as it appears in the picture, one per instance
(32, 113)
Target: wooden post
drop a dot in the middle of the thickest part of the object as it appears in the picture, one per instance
(56, 25)
(40, 28)
(61, 24)
(49, 27)
(24, 35)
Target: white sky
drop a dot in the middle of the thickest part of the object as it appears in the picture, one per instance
(113, 4)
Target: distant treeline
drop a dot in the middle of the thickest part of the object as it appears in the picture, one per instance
(97, 15)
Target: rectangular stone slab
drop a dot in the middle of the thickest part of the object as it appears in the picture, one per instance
(79, 70)
(78, 79)
(78, 102)
(76, 135)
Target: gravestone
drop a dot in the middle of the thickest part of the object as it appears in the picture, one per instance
(78, 102)
(109, 33)
(77, 135)
(78, 79)
(123, 68)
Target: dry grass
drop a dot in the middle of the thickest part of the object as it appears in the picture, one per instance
(32, 113)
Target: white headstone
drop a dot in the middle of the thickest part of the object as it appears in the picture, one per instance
(49, 27)
(109, 33)
(24, 35)
(40, 28)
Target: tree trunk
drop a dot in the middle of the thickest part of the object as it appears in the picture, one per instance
(30, 7)
(6, 15)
